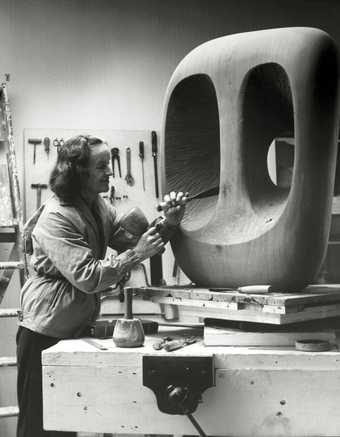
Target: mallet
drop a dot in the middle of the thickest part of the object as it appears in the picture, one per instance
(35, 142)
(39, 188)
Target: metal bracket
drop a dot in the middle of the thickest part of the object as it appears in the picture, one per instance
(178, 381)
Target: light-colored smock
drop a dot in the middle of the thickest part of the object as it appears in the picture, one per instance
(61, 298)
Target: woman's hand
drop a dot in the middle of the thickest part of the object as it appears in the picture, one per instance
(149, 244)
(174, 207)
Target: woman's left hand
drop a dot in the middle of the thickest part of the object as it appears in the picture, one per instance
(174, 207)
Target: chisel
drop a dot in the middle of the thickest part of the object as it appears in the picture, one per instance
(155, 155)
(141, 155)
(202, 194)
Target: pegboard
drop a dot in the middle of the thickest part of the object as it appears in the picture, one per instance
(126, 196)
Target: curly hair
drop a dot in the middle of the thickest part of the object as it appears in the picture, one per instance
(71, 169)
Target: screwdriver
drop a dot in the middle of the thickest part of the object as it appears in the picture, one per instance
(141, 155)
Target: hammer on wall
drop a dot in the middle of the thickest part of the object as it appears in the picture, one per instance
(35, 142)
(39, 188)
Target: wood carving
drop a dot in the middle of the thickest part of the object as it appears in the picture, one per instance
(226, 102)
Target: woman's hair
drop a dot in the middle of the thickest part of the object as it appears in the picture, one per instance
(71, 169)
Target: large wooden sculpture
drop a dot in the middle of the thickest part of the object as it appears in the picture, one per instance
(225, 103)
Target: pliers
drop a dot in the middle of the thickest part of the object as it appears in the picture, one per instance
(115, 157)
(58, 143)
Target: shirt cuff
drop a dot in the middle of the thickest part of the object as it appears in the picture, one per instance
(125, 261)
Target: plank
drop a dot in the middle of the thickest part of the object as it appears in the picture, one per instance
(217, 336)
(196, 303)
(313, 294)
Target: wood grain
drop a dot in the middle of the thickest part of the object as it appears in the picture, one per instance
(226, 102)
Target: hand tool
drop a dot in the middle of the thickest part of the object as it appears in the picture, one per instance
(47, 143)
(129, 178)
(179, 343)
(141, 155)
(115, 157)
(155, 155)
(202, 194)
(134, 221)
(247, 289)
(39, 188)
(170, 344)
(95, 344)
(128, 331)
(58, 143)
(256, 289)
(159, 344)
(35, 142)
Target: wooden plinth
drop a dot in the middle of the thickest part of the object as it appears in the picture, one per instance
(312, 303)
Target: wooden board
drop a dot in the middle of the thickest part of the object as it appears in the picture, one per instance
(217, 336)
(257, 392)
(314, 302)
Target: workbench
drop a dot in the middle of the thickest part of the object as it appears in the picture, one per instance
(256, 392)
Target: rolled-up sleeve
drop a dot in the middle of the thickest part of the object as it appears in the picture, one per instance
(66, 248)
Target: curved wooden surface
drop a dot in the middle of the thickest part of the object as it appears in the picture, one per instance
(225, 103)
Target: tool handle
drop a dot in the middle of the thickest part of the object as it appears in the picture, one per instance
(174, 345)
(128, 303)
(202, 194)
(154, 143)
(47, 142)
(128, 160)
(256, 289)
(141, 150)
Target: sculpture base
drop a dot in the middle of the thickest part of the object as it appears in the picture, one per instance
(196, 304)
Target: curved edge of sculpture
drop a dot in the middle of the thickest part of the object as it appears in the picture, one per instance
(225, 103)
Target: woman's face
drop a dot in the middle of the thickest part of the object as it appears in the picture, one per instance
(99, 169)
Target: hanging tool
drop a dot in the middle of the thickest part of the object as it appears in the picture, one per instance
(58, 143)
(202, 194)
(115, 157)
(155, 155)
(47, 143)
(35, 142)
(141, 155)
(39, 188)
(129, 178)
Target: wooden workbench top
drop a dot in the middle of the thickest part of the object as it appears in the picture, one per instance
(80, 353)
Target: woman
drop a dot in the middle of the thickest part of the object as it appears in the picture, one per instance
(70, 237)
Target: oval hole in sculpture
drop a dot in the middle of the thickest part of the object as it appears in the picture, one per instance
(267, 110)
(192, 146)
(280, 162)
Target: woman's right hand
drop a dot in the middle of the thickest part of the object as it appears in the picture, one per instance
(149, 244)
